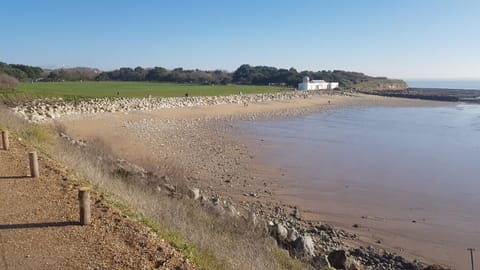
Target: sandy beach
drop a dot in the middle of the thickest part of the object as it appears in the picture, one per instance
(219, 158)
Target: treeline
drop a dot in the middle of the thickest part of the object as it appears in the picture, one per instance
(31, 73)
(160, 74)
(72, 74)
(21, 71)
(263, 75)
(245, 74)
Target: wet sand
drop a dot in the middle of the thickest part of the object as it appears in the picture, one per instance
(406, 176)
(219, 157)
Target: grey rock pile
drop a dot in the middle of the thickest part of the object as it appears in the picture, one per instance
(42, 110)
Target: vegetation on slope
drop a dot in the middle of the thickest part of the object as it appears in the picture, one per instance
(245, 75)
(21, 71)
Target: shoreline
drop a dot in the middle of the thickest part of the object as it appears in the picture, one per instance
(218, 159)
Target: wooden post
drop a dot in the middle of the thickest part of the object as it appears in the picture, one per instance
(32, 156)
(5, 142)
(84, 201)
(471, 257)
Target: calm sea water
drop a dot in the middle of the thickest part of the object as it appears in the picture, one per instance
(392, 163)
(433, 149)
(448, 84)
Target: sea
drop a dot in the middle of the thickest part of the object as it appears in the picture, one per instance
(447, 84)
(394, 165)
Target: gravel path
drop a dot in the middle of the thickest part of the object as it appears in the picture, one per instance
(39, 224)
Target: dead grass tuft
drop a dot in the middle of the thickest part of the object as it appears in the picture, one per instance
(8, 82)
(38, 135)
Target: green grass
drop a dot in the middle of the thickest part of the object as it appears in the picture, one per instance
(73, 90)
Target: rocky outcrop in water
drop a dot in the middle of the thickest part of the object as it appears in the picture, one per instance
(453, 95)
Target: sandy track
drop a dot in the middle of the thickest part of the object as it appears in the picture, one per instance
(39, 225)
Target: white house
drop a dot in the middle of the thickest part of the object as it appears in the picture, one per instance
(308, 84)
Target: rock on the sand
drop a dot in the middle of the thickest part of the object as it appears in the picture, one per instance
(281, 232)
(194, 193)
(337, 259)
(304, 246)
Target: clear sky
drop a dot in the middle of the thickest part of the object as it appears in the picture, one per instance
(395, 38)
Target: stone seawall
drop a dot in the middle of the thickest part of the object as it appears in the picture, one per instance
(43, 110)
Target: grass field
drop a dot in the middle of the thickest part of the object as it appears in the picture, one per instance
(71, 90)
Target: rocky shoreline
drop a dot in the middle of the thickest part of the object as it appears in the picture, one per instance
(225, 163)
(219, 175)
(43, 110)
(319, 244)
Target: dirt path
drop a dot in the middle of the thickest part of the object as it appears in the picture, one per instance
(39, 224)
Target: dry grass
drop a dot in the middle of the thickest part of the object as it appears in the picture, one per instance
(8, 82)
(218, 242)
(210, 240)
(37, 135)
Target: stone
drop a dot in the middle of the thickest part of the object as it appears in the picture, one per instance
(353, 265)
(169, 187)
(337, 259)
(194, 193)
(281, 233)
(232, 211)
(320, 262)
(292, 235)
(219, 210)
(304, 246)
(296, 214)
(253, 218)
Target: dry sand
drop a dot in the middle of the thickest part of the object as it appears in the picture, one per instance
(200, 141)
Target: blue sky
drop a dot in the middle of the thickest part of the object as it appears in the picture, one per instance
(395, 38)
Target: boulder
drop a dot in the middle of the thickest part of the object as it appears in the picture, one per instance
(320, 262)
(292, 235)
(304, 246)
(337, 259)
(281, 233)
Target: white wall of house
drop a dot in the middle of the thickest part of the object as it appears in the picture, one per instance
(306, 84)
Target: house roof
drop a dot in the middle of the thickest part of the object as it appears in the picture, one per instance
(318, 81)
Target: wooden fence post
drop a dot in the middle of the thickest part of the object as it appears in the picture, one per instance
(32, 156)
(5, 142)
(84, 201)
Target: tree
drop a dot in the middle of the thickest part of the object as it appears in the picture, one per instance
(156, 74)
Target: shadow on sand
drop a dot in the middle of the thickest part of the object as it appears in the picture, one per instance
(39, 225)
